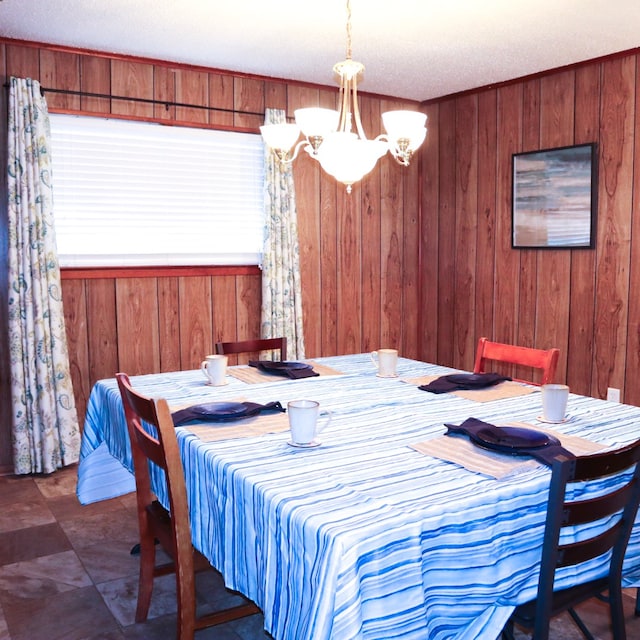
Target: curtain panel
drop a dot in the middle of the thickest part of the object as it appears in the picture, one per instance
(45, 431)
(281, 289)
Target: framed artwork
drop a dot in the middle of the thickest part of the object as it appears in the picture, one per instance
(554, 198)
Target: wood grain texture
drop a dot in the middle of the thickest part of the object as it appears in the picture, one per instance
(554, 266)
(75, 317)
(457, 192)
(614, 223)
(192, 87)
(196, 321)
(528, 267)
(583, 263)
(61, 70)
(132, 79)
(221, 97)
(486, 218)
(95, 77)
(446, 233)
(102, 329)
(429, 234)
(507, 273)
(466, 214)
(579, 300)
(168, 302)
(137, 314)
(631, 392)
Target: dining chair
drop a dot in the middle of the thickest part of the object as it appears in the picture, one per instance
(603, 519)
(253, 346)
(545, 360)
(170, 528)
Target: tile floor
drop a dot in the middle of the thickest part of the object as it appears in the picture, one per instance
(66, 573)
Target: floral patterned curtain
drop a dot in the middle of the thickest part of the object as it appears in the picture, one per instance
(281, 290)
(45, 432)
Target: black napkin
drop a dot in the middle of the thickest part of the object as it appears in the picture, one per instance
(463, 381)
(209, 412)
(293, 370)
(542, 446)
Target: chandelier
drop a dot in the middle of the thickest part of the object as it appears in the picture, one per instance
(328, 134)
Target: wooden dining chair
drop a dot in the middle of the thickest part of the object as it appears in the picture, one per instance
(611, 514)
(254, 346)
(171, 528)
(545, 360)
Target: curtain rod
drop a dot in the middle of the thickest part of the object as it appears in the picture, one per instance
(166, 103)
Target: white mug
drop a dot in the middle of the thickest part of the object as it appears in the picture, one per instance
(214, 369)
(386, 361)
(554, 401)
(303, 421)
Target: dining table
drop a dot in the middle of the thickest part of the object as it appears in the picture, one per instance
(388, 527)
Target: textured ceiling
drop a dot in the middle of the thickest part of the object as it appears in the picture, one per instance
(417, 49)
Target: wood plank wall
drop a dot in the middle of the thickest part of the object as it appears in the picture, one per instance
(359, 253)
(585, 302)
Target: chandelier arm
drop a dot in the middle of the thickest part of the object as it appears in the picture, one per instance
(287, 157)
(356, 109)
(345, 109)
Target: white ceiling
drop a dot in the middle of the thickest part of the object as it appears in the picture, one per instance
(417, 49)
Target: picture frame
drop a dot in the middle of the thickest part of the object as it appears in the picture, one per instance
(554, 199)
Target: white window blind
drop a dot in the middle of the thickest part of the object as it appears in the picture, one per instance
(138, 193)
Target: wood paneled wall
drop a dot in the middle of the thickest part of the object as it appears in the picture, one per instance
(585, 302)
(359, 252)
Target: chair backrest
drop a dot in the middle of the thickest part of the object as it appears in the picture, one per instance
(253, 346)
(546, 360)
(617, 504)
(160, 448)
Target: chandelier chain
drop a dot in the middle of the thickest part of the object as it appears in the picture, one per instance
(348, 29)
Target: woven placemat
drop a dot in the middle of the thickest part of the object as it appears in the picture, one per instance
(251, 375)
(463, 452)
(507, 389)
(247, 428)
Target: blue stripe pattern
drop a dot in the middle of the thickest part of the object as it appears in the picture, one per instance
(364, 537)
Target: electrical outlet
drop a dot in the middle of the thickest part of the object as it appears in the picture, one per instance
(613, 395)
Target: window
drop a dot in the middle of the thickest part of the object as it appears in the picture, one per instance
(138, 193)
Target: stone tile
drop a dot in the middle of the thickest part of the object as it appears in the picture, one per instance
(68, 507)
(250, 628)
(18, 489)
(60, 483)
(24, 514)
(4, 630)
(76, 615)
(120, 596)
(114, 526)
(34, 542)
(43, 576)
(108, 560)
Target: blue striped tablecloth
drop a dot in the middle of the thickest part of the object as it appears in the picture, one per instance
(362, 537)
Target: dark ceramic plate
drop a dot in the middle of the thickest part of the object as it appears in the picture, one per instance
(513, 439)
(280, 366)
(220, 410)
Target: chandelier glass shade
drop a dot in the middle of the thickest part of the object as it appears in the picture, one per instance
(329, 136)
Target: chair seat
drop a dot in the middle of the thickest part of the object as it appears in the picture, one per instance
(525, 614)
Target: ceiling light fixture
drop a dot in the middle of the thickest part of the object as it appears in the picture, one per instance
(328, 136)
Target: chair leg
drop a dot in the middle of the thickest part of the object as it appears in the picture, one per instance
(145, 583)
(578, 622)
(637, 610)
(618, 627)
